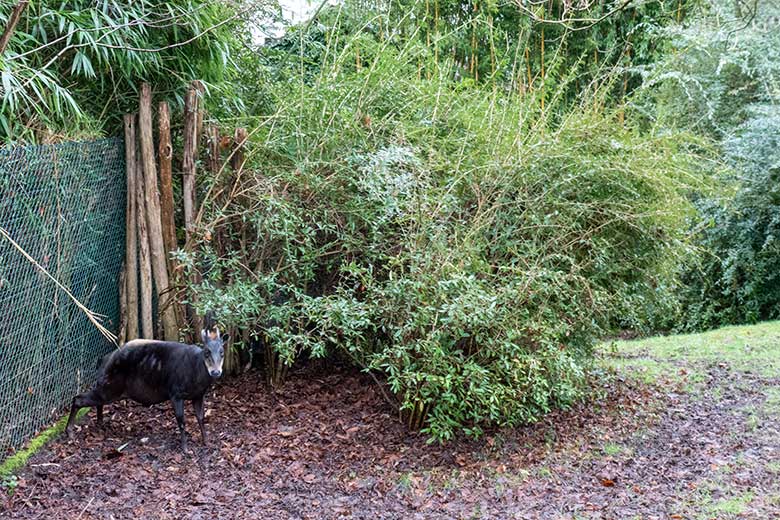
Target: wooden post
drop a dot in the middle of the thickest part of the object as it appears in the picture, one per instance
(131, 241)
(239, 144)
(168, 221)
(212, 135)
(200, 91)
(165, 155)
(189, 155)
(122, 335)
(153, 220)
(144, 260)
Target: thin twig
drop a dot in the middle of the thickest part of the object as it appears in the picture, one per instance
(16, 14)
(567, 22)
(85, 507)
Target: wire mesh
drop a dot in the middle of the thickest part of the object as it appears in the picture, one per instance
(65, 205)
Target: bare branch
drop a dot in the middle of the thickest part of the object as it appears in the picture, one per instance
(570, 23)
(16, 14)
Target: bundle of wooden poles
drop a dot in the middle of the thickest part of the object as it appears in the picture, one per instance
(151, 226)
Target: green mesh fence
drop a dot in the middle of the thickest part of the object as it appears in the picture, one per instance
(64, 204)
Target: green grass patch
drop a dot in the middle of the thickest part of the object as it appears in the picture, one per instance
(682, 358)
(773, 467)
(612, 449)
(772, 403)
(16, 461)
(732, 507)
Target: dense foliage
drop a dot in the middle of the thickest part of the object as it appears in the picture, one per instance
(721, 78)
(71, 69)
(447, 235)
(460, 197)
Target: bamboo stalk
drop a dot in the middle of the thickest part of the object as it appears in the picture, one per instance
(528, 67)
(94, 317)
(131, 236)
(154, 226)
(541, 57)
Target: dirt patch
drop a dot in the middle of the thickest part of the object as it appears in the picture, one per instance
(329, 447)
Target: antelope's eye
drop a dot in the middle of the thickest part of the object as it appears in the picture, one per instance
(221, 351)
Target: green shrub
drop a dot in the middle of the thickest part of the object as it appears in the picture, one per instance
(443, 234)
(720, 78)
(737, 278)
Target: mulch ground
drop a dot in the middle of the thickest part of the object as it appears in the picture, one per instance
(329, 447)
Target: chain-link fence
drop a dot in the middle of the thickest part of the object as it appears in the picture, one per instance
(64, 205)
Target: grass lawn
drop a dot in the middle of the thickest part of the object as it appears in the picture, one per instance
(752, 349)
(732, 373)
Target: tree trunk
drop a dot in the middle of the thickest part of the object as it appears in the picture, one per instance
(153, 220)
(131, 240)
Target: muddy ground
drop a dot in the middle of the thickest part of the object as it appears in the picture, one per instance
(330, 447)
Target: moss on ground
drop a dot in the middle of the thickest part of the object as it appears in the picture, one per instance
(16, 461)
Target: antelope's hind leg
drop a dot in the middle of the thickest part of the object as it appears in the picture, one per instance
(84, 400)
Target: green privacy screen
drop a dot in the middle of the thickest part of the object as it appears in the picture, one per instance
(64, 204)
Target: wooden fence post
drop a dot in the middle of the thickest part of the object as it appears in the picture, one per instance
(122, 336)
(165, 155)
(239, 144)
(212, 136)
(154, 226)
(131, 240)
(144, 259)
(200, 91)
(189, 156)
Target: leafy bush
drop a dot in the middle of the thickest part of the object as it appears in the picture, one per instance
(440, 233)
(720, 78)
(738, 278)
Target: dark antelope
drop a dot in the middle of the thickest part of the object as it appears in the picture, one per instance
(150, 372)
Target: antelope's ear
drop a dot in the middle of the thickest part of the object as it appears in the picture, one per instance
(225, 338)
(204, 336)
